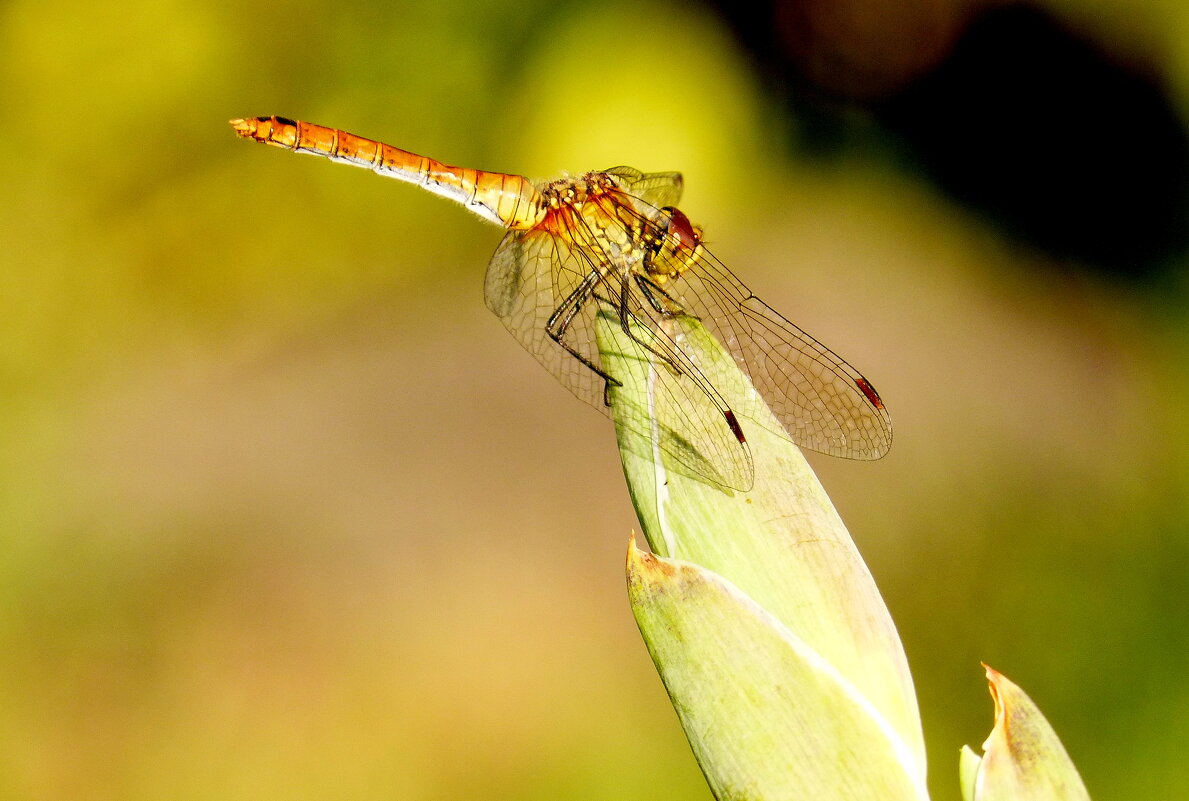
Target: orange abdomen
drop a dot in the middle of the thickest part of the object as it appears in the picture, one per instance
(509, 200)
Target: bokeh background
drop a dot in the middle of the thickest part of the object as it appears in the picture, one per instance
(285, 513)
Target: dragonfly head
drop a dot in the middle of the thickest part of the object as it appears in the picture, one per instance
(677, 245)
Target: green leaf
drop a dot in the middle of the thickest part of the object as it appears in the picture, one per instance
(763, 621)
(968, 763)
(766, 716)
(1023, 759)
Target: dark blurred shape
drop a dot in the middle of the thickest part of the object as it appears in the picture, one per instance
(863, 49)
(1011, 112)
(1037, 127)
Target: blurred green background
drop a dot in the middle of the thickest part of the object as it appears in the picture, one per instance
(285, 513)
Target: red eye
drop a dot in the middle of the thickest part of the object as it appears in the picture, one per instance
(681, 229)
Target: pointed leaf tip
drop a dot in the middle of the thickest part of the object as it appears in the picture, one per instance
(1023, 757)
(767, 717)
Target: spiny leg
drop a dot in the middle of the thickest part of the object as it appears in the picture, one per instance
(651, 289)
(624, 310)
(561, 319)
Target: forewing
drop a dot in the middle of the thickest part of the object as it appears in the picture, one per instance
(825, 404)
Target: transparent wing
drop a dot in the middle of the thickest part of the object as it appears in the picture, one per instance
(528, 277)
(657, 189)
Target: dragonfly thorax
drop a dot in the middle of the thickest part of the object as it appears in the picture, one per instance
(576, 191)
(660, 243)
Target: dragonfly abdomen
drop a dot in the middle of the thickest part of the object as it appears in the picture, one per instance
(508, 200)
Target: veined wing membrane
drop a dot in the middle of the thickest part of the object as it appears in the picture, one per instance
(824, 404)
(658, 189)
(529, 276)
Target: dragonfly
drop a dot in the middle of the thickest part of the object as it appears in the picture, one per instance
(612, 244)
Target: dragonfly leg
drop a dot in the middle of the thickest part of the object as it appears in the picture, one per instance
(654, 292)
(625, 314)
(559, 322)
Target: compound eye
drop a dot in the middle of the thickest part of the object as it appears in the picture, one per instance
(681, 230)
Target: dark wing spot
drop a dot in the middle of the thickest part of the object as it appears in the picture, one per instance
(870, 392)
(734, 424)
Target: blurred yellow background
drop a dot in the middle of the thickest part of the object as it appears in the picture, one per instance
(285, 513)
